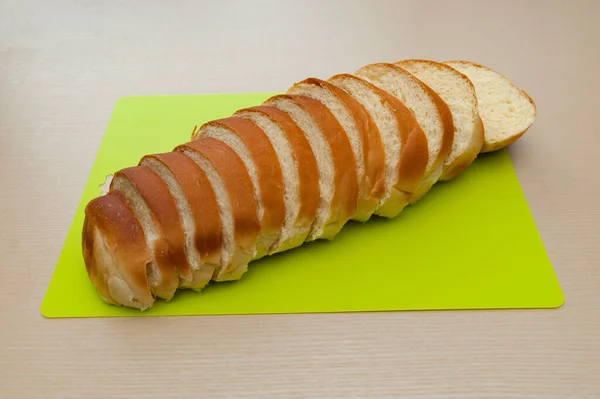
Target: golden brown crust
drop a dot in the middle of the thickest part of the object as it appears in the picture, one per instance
(498, 145)
(169, 247)
(115, 252)
(202, 202)
(236, 179)
(345, 193)
(304, 157)
(95, 270)
(372, 187)
(267, 167)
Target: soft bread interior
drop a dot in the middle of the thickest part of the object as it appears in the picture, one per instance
(388, 127)
(223, 201)
(292, 234)
(456, 90)
(506, 111)
(201, 273)
(322, 152)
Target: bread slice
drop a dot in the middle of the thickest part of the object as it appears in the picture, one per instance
(115, 252)
(403, 139)
(254, 148)
(338, 184)
(458, 92)
(431, 112)
(299, 170)
(231, 182)
(152, 204)
(197, 206)
(506, 111)
(363, 136)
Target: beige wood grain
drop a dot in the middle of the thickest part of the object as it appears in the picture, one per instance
(64, 63)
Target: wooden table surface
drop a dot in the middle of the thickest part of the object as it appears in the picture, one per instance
(63, 64)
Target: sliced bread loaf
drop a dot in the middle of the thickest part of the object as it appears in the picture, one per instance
(115, 252)
(256, 151)
(506, 111)
(404, 142)
(154, 207)
(338, 184)
(299, 170)
(458, 93)
(431, 112)
(363, 136)
(233, 188)
(198, 210)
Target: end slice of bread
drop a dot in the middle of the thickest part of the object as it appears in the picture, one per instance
(254, 148)
(431, 112)
(338, 184)
(199, 213)
(506, 110)
(403, 140)
(363, 136)
(152, 204)
(458, 93)
(115, 252)
(299, 170)
(233, 188)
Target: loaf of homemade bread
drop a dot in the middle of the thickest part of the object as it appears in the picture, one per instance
(294, 169)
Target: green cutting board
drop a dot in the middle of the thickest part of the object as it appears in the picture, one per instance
(470, 243)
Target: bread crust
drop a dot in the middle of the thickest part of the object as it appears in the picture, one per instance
(497, 145)
(169, 247)
(345, 194)
(204, 210)
(236, 179)
(115, 252)
(372, 188)
(270, 178)
(306, 166)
